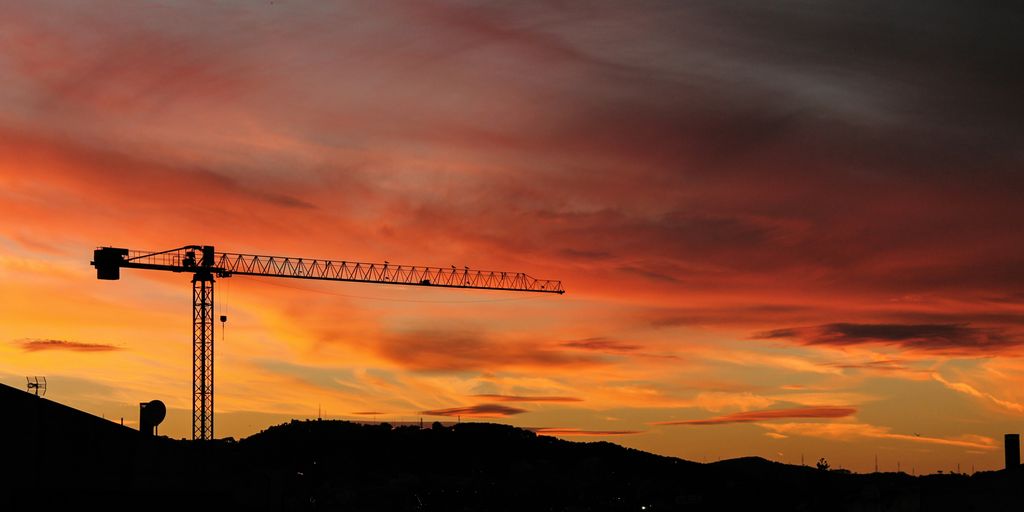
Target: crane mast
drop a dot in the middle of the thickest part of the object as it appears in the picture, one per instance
(205, 264)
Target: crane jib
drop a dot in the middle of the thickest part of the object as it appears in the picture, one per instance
(108, 262)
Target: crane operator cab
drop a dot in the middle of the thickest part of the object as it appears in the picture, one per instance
(206, 261)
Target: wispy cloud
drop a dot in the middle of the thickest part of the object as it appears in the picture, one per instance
(567, 432)
(602, 345)
(963, 387)
(925, 337)
(452, 351)
(716, 401)
(890, 365)
(518, 398)
(769, 414)
(36, 345)
(852, 431)
(481, 410)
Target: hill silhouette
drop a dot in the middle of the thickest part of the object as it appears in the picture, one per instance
(56, 456)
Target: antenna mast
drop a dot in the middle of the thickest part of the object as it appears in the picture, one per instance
(36, 385)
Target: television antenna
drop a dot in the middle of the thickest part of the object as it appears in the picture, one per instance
(36, 383)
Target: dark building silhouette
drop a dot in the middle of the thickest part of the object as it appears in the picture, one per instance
(59, 458)
(1011, 443)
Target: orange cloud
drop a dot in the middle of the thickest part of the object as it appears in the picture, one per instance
(569, 432)
(517, 398)
(769, 414)
(480, 411)
(850, 431)
(943, 338)
(602, 345)
(968, 389)
(437, 350)
(35, 345)
(716, 401)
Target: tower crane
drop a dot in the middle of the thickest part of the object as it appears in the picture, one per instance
(205, 264)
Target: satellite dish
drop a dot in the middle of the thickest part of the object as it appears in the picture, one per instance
(150, 415)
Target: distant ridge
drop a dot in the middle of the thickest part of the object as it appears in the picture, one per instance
(59, 457)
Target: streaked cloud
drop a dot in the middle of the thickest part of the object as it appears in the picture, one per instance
(574, 432)
(963, 387)
(960, 338)
(518, 398)
(479, 411)
(768, 414)
(36, 345)
(854, 431)
(602, 345)
(716, 401)
(454, 351)
(885, 365)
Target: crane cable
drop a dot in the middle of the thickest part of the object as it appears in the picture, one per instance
(224, 311)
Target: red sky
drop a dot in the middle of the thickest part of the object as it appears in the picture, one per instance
(784, 230)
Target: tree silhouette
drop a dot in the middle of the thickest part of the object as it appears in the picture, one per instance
(823, 464)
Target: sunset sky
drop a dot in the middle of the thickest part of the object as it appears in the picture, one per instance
(785, 228)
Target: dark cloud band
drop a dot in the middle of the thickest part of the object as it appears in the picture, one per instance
(35, 345)
(481, 410)
(771, 414)
(927, 337)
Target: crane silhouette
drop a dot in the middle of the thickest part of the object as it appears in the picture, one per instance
(205, 264)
